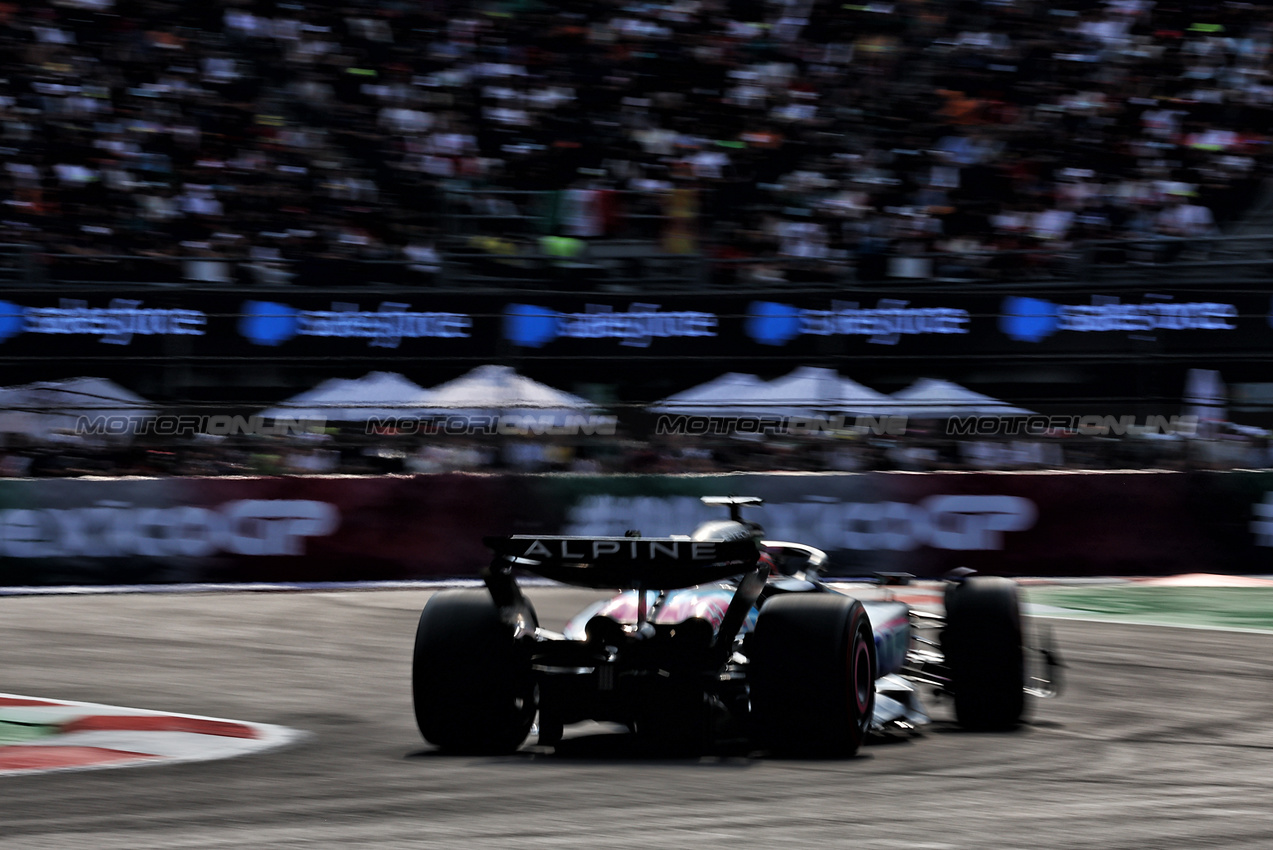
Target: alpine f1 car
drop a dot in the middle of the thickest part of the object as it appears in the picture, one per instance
(719, 635)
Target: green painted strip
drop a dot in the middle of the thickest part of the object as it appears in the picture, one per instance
(19, 733)
(1220, 607)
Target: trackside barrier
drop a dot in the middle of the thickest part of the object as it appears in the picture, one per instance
(362, 528)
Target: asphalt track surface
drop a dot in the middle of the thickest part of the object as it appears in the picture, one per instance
(1164, 739)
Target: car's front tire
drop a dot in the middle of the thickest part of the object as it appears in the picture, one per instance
(983, 645)
(471, 678)
(812, 675)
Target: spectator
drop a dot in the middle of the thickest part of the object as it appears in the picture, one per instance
(131, 125)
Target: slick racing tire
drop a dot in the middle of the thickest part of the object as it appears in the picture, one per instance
(982, 643)
(812, 675)
(471, 679)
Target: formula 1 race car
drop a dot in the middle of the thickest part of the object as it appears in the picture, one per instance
(719, 635)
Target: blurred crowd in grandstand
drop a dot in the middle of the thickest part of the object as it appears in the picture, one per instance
(349, 454)
(272, 130)
(902, 138)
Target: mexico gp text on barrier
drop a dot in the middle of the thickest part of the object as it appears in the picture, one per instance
(341, 528)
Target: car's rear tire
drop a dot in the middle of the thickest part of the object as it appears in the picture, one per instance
(812, 675)
(983, 645)
(471, 679)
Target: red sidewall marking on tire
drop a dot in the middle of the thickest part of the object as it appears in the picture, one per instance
(859, 660)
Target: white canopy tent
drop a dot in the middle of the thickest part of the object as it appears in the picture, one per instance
(931, 398)
(500, 391)
(725, 395)
(76, 406)
(805, 392)
(1206, 398)
(377, 395)
(812, 390)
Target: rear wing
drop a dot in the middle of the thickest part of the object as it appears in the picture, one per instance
(734, 503)
(656, 563)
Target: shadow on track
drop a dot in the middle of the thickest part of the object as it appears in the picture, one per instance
(623, 746)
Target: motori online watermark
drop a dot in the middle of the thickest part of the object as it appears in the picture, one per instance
(188, 425)
(504, 424)
(1089, 425)
(683, 424)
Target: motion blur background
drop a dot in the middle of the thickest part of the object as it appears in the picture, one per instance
(217, 206)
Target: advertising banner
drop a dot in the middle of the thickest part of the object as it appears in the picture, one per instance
(404, 323)
(928, 524)
(100, 531)
(315, 529)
